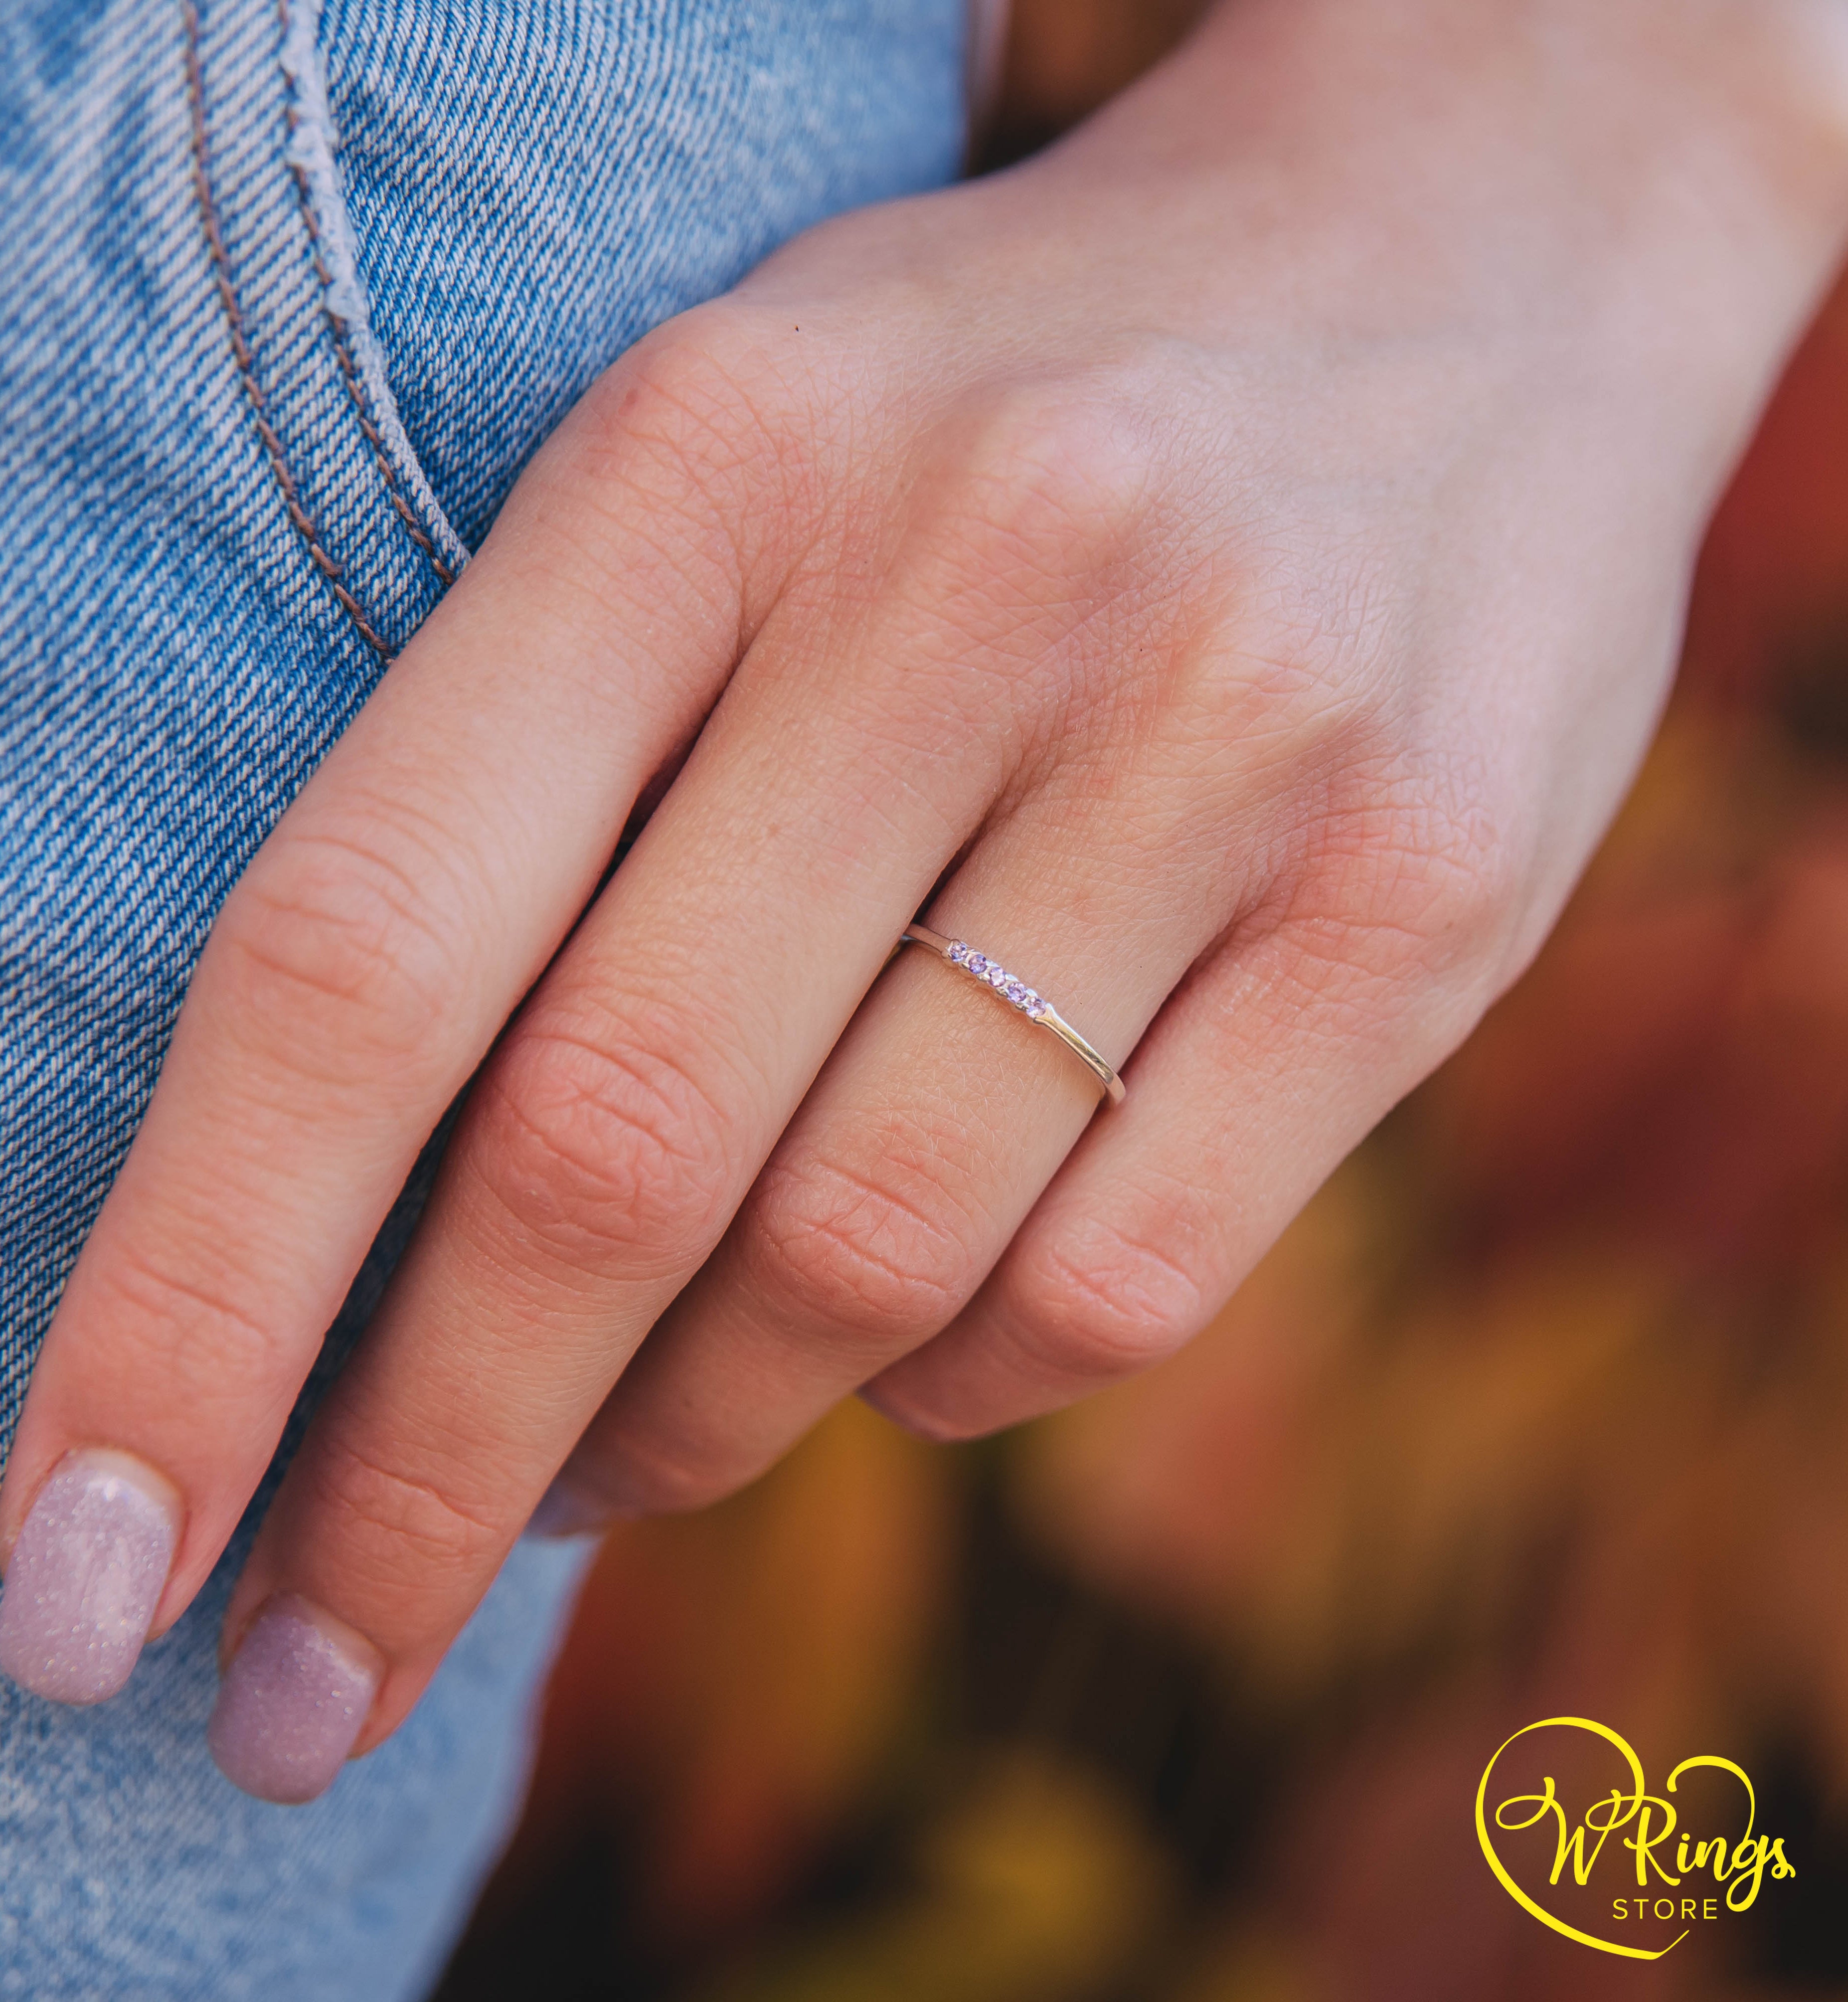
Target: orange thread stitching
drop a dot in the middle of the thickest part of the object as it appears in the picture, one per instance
(350, 374)
(240, 346)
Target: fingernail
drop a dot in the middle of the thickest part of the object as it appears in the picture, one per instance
(86, 1575)
(565, 1509)
(291, 1703)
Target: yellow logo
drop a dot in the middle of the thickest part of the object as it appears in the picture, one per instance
(1681, 1878)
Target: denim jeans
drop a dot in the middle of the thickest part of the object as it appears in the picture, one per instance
(292, 293)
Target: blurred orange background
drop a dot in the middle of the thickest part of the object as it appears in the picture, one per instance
(1540, 1407)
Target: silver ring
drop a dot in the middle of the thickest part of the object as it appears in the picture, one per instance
(1017, 995)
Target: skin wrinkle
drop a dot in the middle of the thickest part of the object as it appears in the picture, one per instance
(167, 1300)
(679, 1207)
(1333, 1002)
(431, 1528)
(269, 1113)
(903, 794)
(397, 809)
(354, 973)
(591, 507)
(708, 570)
(1027, 643)
(182, 1208)
(680, 699)
(571, 549)
(1380, 853)
(751, 464)
(857, 1268)
(710, 452)
(892, 797)
(1069, 1315)
(1061, 551)
(1042, 478)
(1194, 1216)
(400, 892)
(1092, 1318)
(1256, 884)
(1135, 901)
(794, 1204)
(1381, 814)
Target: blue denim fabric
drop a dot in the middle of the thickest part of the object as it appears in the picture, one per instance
(291, 295)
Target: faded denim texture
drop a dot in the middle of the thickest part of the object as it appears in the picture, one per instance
(291, 295)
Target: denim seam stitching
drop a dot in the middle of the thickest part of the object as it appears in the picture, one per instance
(240, 346)
(311, 139)
(336, 329)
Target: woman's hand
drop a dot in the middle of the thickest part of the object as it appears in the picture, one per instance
(1225, 569)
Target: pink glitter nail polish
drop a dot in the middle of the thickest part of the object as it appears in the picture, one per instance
(291, 1706)
(85, 1577)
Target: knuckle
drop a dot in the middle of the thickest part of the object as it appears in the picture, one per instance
(398, 1533)
(674, 485)
(330, 959)
(195, 1324)
(1064, 535)
(596, 1145)
(1427, 888)
(700, 397)
(1291, 661)
(871, 1246)
(1048, 476)
(1108, 1302)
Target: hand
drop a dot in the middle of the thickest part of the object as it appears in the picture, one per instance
(1226, 570)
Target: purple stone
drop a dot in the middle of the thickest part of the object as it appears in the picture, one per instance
(996, 976)
(959, 953)
(977, 965)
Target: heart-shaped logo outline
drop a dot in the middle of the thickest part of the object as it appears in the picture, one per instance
(1640, 1786)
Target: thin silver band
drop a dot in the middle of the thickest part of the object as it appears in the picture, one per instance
(1017, 995)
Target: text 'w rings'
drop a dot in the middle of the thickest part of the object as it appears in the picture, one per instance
(1017, 994)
